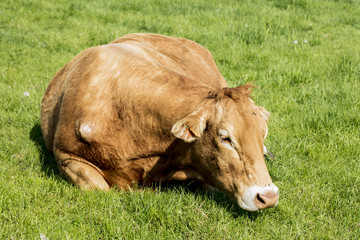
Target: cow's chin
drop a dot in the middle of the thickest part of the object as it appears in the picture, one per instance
(255, 198)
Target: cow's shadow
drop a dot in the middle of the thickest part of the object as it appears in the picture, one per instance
(49, 167)
(197, 188)
(46, 158)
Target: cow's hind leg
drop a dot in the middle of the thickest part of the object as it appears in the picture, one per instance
(81, 172)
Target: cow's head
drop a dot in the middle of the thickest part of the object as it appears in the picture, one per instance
(226, 135)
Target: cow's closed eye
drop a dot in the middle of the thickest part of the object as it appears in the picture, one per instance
(225, 139)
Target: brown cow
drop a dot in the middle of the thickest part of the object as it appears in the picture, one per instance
(148, 108)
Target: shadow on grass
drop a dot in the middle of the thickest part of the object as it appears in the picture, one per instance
(47, 159)
(50, 168)
(198, 189)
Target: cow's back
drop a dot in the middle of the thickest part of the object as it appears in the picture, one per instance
(181, 55)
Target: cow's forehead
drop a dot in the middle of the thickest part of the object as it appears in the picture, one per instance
(235, 116)
(231, 109)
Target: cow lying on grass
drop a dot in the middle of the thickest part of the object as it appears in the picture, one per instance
(148, 108)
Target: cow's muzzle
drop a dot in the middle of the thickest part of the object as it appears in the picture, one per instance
(256, 198)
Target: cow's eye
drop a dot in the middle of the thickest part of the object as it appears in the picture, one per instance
(225, 139)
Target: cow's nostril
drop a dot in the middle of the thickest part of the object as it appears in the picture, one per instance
(260, 199)
(266, 199)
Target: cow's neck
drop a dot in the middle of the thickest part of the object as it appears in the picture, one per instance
(165, 167)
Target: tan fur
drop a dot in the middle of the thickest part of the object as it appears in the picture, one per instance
(149, 108)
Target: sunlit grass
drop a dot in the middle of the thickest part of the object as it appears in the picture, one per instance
(303, 55)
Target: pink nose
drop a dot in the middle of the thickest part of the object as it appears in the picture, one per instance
(266, 199)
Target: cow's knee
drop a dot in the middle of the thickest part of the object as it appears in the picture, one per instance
(83, 175)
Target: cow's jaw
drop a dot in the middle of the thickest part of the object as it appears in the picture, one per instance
(255, 198)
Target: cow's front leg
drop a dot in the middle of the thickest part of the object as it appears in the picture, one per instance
(189, 174)
(182, 175)
(81, 172)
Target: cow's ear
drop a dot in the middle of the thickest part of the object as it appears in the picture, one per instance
(189, 128)
(264, 113)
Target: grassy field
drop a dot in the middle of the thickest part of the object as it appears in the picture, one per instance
(303, 55)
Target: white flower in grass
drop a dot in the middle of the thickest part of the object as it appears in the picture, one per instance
(43, 237)
(305, 41)
(26, 94)
(295, 42)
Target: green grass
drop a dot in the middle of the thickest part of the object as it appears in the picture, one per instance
(311, 88)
